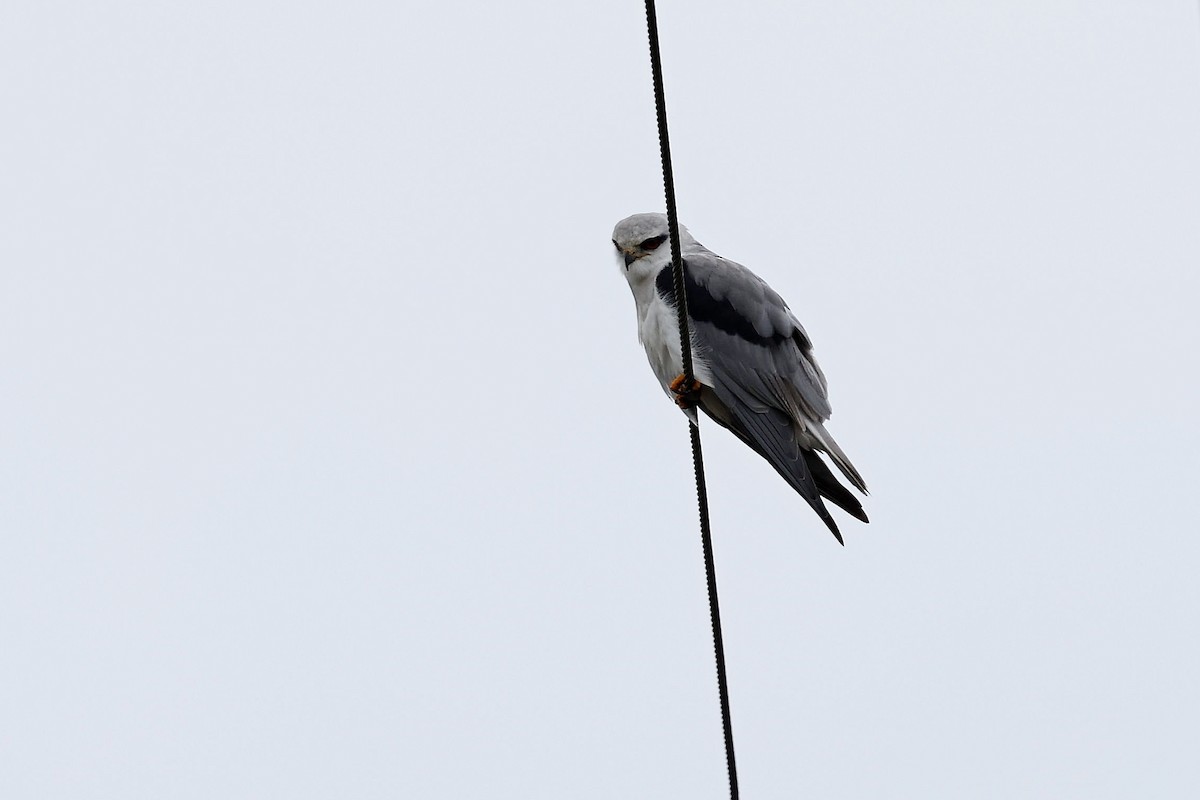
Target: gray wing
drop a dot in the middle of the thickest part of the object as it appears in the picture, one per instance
(768, 388)
(748, 333)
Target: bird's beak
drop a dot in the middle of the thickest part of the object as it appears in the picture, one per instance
(629, 258)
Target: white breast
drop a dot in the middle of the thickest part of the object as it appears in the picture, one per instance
(658, 330)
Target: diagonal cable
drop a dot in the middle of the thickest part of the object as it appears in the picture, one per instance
(660, 103)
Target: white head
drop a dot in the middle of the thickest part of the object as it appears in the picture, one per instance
(643, 245)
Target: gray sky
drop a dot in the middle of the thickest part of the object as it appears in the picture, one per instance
(333, 466)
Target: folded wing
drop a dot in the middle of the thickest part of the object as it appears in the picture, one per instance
(768, 388)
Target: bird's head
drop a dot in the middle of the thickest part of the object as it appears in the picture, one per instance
(643, 246)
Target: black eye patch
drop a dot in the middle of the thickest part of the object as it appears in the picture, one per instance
(653, 243)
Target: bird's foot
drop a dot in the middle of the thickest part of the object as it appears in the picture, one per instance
(686, 396)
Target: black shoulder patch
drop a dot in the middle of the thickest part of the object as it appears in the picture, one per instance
(703, 307)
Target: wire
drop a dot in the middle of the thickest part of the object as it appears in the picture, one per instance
(685, 344)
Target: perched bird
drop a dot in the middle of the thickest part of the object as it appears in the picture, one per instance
(753, 362)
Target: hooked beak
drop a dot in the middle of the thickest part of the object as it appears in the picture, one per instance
(629, 258)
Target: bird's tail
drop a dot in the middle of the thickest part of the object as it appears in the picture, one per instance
(827, 443)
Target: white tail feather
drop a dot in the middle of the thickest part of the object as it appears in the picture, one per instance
(827, 443)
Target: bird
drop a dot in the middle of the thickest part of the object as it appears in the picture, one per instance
(753, 364)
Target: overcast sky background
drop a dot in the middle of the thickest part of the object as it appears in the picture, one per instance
(333, 468)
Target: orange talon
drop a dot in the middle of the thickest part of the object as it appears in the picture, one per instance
(685, 396)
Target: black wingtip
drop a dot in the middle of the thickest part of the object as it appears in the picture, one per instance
(833, 528)
(829, 487)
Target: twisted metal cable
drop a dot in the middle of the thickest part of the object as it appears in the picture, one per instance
(685, 343)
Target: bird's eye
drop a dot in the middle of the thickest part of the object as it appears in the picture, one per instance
(614, 241)
(653, 242)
